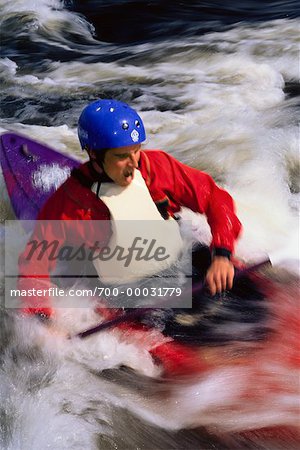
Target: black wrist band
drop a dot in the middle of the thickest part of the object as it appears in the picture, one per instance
(221, 252)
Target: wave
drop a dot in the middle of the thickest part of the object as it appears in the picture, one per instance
(29, 26)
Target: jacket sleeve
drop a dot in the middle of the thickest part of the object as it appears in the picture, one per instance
(35, 266)
(197, 190)
(39, 258)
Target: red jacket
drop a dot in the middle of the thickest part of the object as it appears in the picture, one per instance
(171, 185)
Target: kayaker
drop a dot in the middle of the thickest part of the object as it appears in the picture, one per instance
(112, 133)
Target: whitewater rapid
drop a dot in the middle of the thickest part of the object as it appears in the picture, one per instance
(221, 102)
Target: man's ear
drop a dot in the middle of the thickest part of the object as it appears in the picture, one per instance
(94, 158)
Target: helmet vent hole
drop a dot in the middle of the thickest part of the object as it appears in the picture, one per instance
(137, 124)
(125, 126)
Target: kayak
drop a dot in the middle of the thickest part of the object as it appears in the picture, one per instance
(33, 171)
(233, 334)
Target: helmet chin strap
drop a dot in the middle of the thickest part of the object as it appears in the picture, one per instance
(97, 166)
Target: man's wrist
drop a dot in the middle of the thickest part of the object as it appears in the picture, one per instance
(221, 252)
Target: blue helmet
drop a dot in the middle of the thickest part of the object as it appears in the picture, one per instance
(109, 124)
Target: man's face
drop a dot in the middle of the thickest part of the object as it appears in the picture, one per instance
(119, 163)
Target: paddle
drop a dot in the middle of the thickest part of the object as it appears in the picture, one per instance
(138, 313)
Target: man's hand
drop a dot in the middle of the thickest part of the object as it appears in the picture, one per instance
(220, 274)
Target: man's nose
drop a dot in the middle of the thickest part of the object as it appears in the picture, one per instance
(133, 159)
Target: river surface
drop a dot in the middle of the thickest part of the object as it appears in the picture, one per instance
(217, 85)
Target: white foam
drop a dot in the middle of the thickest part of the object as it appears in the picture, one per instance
(48, 16)
(49, 177)
(228, 115)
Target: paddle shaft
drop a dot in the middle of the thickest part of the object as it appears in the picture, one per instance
(128, 317)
